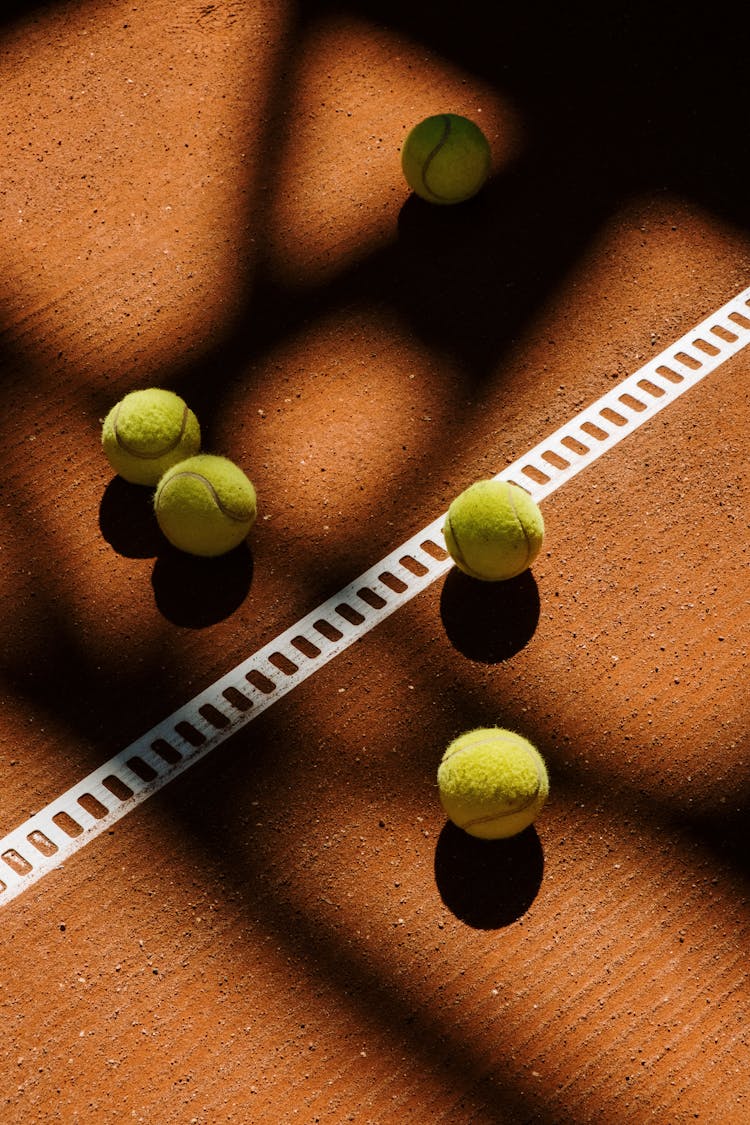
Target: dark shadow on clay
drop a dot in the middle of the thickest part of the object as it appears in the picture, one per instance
(488, 884)
(127, 520)
(489, 621)
(196, 592)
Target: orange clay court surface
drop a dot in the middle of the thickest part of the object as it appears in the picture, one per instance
(208, 197)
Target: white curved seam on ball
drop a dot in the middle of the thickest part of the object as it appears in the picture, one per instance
(500, 815)
(459, 552)
(523, 529)
(217, 499)
(149, 456)
(431, 155)
(480, 737)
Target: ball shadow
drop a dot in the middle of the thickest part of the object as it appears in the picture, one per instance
(196, 592)
(488, 884)
(435, 284)
(418, 219)
(127, 520)
(489, 621)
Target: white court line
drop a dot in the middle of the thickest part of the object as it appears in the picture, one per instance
(113, 790)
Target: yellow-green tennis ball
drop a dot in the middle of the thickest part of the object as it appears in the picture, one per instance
(147, 432)
(492, 783)
(205, 505)
(446, 158)
(494, 530)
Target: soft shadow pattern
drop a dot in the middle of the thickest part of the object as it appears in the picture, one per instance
(489, 621)
(196, 592)
(127, 520)
(488, 884)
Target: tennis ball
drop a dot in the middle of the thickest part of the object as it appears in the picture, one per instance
(494, 530)
(446, 158)
(147, 432)
(205, 505)
(492, 782)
